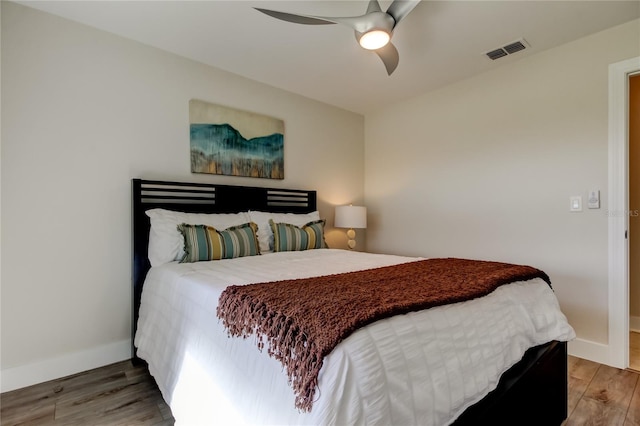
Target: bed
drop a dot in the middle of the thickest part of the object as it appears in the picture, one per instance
(380, 374)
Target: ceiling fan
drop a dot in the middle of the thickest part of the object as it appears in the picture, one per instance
(373, 30)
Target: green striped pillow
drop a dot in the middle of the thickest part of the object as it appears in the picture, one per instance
(288, 237)
(202, 242)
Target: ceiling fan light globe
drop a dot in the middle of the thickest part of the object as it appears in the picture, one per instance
(374, 39)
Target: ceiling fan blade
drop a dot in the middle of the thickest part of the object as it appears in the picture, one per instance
(296, 19)
(390, 57)
(358, 23)
(401, 8)
(373, 6)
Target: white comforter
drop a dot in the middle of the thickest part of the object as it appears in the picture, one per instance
(422, 368)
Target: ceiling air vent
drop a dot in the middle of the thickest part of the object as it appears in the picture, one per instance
(509, 49)
(498, 53)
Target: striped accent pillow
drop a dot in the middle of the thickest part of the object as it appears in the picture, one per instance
(202, 242)
(288, 237)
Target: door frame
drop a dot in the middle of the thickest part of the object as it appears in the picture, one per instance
(618, 207)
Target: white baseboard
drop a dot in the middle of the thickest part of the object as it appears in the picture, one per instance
(55, 368)
(634, 324)
(593, 351)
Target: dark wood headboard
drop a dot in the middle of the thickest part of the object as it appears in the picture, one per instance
(200, 198)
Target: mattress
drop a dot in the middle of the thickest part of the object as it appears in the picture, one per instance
(424, 367)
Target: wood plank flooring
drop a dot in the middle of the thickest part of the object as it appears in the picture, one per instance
(602, 395)
(118, 394)
(122, 394)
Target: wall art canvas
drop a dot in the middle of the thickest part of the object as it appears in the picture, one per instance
(228, 141)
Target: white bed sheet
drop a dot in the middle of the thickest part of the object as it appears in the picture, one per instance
(422, 368)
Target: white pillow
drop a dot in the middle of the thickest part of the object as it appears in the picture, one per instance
(166, 244)
(265, 234)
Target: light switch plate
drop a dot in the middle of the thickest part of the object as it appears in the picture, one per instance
(575, 203)
(593, 202)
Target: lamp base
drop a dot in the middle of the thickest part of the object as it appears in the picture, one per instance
(351, 234)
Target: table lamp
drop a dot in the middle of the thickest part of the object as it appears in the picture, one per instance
(351, 217)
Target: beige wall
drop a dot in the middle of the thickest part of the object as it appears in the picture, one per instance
(634, 198)
(484, 168)
(83, 112)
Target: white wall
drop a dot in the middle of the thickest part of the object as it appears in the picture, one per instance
(83, 112)
(484, 169)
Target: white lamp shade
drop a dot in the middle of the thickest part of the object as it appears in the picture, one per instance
(351, 217)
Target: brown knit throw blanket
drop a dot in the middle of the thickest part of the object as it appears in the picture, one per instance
(303, 320)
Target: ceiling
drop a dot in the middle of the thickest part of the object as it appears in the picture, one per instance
(439, 42)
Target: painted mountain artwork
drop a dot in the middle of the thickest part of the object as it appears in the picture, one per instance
(226, 141)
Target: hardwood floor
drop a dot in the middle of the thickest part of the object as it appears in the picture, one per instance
(122, 394)
(602, 395)
(118, 394)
